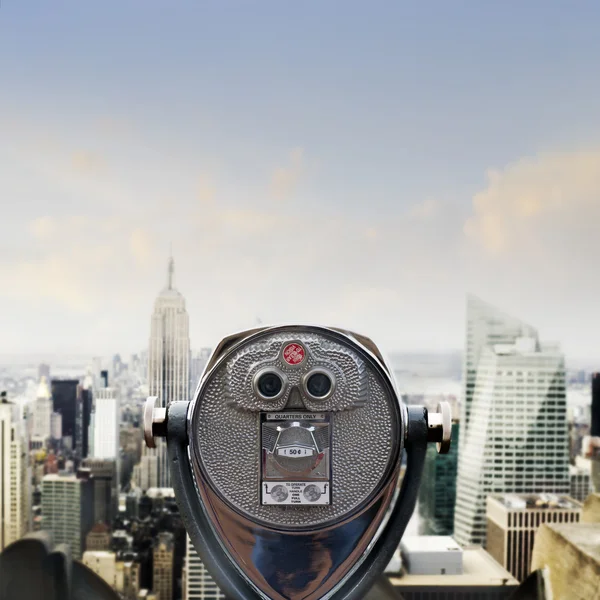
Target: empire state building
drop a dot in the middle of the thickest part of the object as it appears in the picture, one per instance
(168, 370)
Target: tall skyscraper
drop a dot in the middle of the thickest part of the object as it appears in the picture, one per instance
(106, 424)
(73, 400)
(198, 362)
(513, 521)
(67, 510)
(84, 413)
(516, 439)
(163, 554)
(105, 484)
(15, 497)
(91, 434)
(197, 582)
(595, 429)
(42, 412)
(131, 578)
(437, 494)
(168, 367)
(64, 400)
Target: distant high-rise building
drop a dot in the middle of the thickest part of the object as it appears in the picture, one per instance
(581, 480)
(516, 439)
(198, 362)
(103, 379)
(437, 494)
(73, 400)
(68, 510)
(65, 402)
(56, 426)
(42, 412)
(134, 364)
(15, 493)
(105, 483)
(84, 412)
(595, 425)
(513, 521)
(91, 433)
(106, 424)
(144, 364)
(132, 503)
(44, 371)
(130, 587)
(592, 445)
(117, 366)
(197, 582)
(146, 473)
(162, 569)
(96, 367)
(168, 366)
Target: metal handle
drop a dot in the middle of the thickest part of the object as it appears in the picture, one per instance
(155, 421)
(439, 427)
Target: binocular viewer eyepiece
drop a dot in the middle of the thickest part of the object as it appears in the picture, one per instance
(286, 462)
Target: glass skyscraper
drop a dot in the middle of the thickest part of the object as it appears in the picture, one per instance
(437, 494)
(516, 437)
(197, 582)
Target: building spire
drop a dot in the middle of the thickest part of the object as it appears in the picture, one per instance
(171, 267)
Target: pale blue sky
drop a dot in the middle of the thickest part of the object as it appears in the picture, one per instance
(341, 143)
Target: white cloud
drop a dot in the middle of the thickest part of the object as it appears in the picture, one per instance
(541, 206)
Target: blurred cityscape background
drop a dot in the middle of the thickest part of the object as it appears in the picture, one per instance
(525, 453)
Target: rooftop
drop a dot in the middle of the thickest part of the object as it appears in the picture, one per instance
(536, 501)
(99, 554)
(62, 478)
(156, 492)
(429, 543)
(580, 469)
(479, 569)
(100, 528)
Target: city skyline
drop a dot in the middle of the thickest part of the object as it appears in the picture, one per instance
(417, 154)
(515, 415)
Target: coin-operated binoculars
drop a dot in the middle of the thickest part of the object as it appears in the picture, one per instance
(286, 463)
